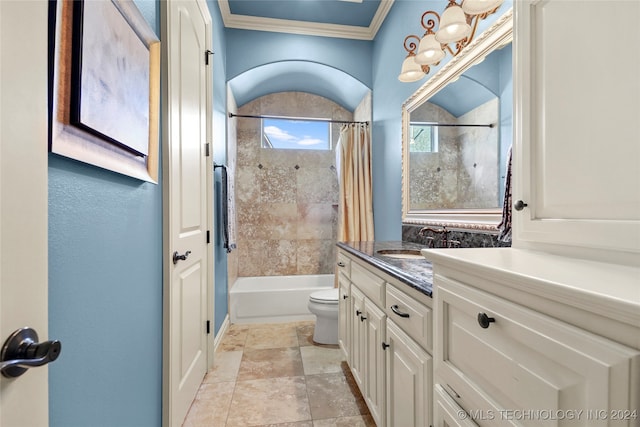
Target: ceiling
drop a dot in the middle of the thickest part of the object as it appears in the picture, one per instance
(298, 76)
(352, 19)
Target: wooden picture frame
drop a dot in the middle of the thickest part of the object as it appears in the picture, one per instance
(105, 87)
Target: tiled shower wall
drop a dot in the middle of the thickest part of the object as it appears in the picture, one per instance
(464, 171)
(286, 200)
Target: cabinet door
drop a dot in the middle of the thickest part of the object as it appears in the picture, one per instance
(374, 370)
(500, 357)
(577, 156)
(409, 380)
(344, 316)
(358, 336)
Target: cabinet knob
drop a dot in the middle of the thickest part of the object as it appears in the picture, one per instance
(484, 321)
(519, 205)
(385, 345)
(358, 313)
(341, 264)
(362, 318)
(345, 296)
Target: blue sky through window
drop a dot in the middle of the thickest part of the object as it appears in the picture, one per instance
(295, 134)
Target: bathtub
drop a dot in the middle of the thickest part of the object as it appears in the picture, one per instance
(273, 299)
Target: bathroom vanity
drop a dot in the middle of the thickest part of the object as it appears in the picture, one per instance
(386, 328)
(505, 337)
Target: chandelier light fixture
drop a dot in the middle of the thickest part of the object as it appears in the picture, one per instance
(457, 25)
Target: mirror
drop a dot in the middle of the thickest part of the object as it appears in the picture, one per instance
(456, 133)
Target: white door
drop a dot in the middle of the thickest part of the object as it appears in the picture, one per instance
(23, 200)
(186, 29)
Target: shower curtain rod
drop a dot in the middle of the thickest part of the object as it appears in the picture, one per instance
(231, 115)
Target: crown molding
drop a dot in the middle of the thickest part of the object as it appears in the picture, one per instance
(256, 23)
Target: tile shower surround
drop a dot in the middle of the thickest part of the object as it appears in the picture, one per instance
(286, 215)
(467, 239)
(463, 173)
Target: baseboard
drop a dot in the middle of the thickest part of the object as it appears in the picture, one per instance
(220, 335)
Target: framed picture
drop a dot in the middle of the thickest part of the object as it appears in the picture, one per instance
(105, 87)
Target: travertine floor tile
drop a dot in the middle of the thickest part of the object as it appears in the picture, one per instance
(305, 334)
(272, 336)
(297, 424)
(234, 339)
(274, 376)
(270, 401)
(330, 396)
(270, 363)
(359, 421)
(211, 405)
(321, 360)
(225, 367)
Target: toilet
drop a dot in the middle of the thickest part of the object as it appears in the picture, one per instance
(324, 304)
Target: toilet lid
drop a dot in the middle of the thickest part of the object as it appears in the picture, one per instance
(327, 296)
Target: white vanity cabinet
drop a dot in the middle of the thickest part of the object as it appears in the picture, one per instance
(343, 273)
(367, 292)
(577, 129)
(527, 338)
(387, 334)
(409, 382)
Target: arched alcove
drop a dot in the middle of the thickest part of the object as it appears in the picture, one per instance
(298, 76)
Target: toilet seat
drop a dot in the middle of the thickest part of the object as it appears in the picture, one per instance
(327, 296)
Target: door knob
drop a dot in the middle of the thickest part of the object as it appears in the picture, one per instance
(177, 257)
(22, 351)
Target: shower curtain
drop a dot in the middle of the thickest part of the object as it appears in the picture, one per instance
(355, 222)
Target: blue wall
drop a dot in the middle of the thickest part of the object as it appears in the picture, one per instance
(388, 96)
(220, 157)
(105, 293)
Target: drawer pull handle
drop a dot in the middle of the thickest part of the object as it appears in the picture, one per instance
(345, 296)
(453, 392)
(362, 318)
(397, 311)
(341, 264)
(358, 313)
(484, 321)
(385, 345)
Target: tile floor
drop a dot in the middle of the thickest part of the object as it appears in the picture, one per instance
(274, 375)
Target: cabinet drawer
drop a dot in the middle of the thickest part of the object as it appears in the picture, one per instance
(370, 284)
(522, 360)
(414, 318)
(343, 264)
(447, 413)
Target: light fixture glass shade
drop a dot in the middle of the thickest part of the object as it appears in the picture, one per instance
(476, 7)
(429, 51)
(411, 71)
(453, 25)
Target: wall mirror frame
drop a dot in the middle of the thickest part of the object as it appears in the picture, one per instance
(495, 37)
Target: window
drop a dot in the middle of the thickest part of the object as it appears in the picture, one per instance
(423, 138)
(290, 133)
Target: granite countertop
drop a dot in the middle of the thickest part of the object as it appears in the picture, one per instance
(416, 273)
